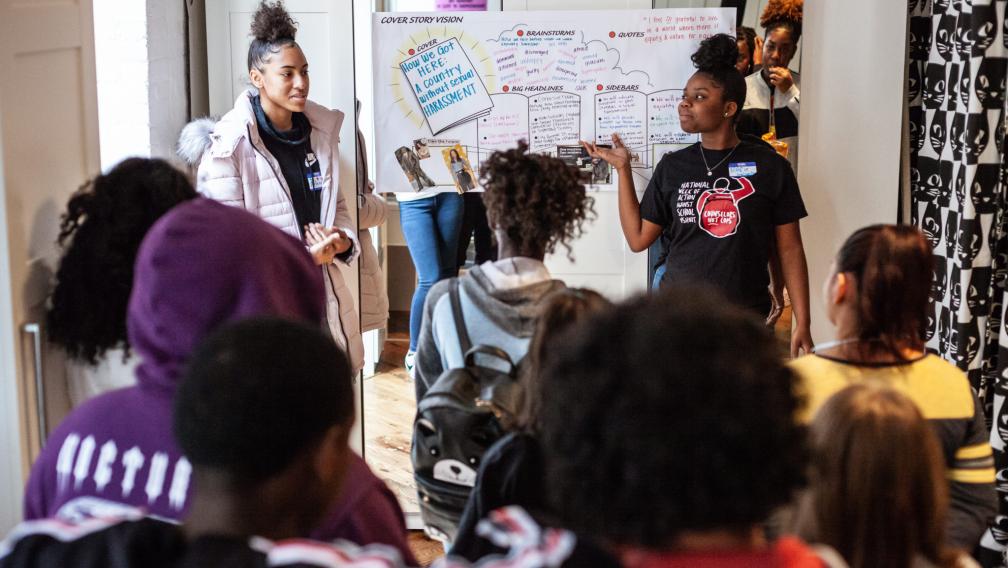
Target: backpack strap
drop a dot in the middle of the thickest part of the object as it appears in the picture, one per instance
(460, 327)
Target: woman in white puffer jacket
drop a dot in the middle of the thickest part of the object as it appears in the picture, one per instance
(276, 154)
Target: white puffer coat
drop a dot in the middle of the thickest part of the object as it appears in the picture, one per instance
(238, 170)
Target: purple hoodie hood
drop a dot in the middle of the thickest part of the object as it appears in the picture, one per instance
(202, 265)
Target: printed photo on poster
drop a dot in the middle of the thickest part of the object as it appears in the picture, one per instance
(590, 171)
(421, 149)
(410, 164)
(458, 163)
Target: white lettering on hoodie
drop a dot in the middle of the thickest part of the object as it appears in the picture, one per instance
(64, 463)
(77, 456)
(132, 460)
(156, 477)
(83, 465)
(103, 470)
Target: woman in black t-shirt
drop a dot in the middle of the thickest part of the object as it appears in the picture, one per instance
(723, 203)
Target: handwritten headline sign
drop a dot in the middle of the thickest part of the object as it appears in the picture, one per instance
(446, 86)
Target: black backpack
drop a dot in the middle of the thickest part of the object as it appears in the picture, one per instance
(460, 416)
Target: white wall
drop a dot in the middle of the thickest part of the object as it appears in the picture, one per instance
(141, 70)
(166, 76)
(850, 124)
(121, 66)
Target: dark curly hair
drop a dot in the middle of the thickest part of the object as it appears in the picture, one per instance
(536, 200)
(101, 231)
(272, 30)
(783, 14)
(716, 57)
(669, 413)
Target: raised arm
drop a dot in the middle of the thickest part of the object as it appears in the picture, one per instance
(639, 233)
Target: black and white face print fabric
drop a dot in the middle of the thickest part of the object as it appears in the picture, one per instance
(956, 87)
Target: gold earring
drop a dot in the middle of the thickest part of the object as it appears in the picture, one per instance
(726, 115)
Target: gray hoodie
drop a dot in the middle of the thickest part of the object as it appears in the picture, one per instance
(500, 306)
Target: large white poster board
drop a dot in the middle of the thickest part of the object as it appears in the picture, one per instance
(451, 89)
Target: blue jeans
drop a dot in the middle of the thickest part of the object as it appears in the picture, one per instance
(431, 227)
(659, 273)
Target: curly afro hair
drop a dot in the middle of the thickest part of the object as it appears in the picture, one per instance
(101, 231)
(536, 200)
(716, 58)
(669, 413)
(272, 29)
(783, 13)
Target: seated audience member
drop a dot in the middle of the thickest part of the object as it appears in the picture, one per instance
(511, 472)
(878, 494)
(668, 436)
(877, 300)
(534, 203)
(202, 265)
(100, 233)
(266, 434)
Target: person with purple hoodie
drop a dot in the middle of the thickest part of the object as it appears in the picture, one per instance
(200, 266)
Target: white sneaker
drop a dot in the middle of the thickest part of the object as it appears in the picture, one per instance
(409, 362)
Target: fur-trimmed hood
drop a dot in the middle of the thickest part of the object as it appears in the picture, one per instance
(194, 140)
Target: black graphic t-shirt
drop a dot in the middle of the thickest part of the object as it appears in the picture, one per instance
(719, 228)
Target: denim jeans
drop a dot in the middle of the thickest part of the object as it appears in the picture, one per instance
(475, 226)
(658, 274)
(431, 227)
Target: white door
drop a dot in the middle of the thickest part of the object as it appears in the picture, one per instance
(602, 259)
(48, 147)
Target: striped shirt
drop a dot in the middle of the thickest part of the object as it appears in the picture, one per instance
(944, 396)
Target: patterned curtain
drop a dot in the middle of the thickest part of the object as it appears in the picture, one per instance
(956, 90)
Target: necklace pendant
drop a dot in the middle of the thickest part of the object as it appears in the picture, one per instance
(709, 173)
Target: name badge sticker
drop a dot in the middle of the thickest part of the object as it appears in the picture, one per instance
(314, 181)
(742, 169)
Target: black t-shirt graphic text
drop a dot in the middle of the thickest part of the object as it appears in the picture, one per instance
(719, 228)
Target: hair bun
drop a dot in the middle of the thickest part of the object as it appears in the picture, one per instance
(782, 11)
(271, 23)
(719, 51)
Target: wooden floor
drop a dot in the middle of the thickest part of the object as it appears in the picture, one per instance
(389, 407)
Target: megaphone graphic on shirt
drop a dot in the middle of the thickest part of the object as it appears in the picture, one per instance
(718, 210)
